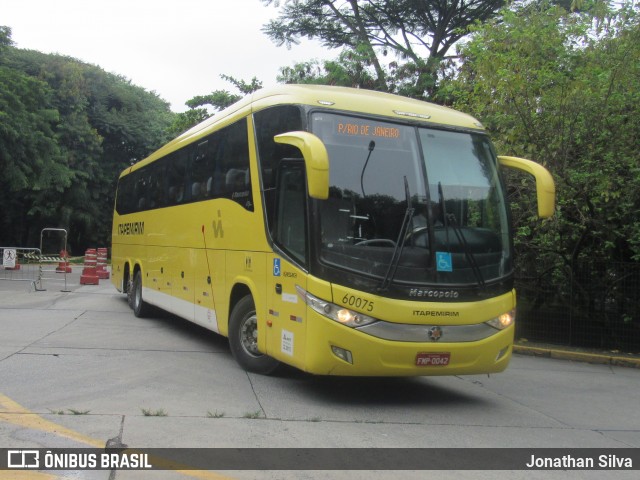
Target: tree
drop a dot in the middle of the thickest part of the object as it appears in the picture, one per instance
(5, 39)
(221, 99)
(564, 89)
(217, 100)
(418, 32)
(348, 70)
(31, 161)
(67, 130)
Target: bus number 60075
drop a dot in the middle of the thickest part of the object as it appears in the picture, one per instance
(357, 302)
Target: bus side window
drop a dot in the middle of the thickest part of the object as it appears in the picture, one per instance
(176, 177)
(290, 216)
(125, 200)
(232, 164)
(157, 197)
(201, 170)
(140, 192)
(236, 180)
(269, 123)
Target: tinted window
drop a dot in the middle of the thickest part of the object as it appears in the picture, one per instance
(269, 123)
(290, 226)
(177, 177)
(232, 175)
(217, 166)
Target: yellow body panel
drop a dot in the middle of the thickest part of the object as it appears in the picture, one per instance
(422, 312)
(376, 357)
(338, 98)
(546, 188)
(197, 259)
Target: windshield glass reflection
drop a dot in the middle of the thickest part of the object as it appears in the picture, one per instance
(458, 231)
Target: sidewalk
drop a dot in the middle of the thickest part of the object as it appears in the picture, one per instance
(577, 354)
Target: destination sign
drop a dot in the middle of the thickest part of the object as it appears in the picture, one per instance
(366, 130)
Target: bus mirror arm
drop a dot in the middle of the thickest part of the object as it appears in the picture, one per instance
(316, 160)
(545, 186)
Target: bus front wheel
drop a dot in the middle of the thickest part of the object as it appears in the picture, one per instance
(140, 307)
(243, 339)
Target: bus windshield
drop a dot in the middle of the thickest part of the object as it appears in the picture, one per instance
(444, 183)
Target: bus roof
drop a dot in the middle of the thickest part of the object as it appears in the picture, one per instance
(337, 98)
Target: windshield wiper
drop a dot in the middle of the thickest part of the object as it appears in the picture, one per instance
(450, 219)
(397, 251)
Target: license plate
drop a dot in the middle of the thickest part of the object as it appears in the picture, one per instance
(432, 359)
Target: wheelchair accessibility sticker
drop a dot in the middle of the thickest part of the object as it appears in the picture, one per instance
(276, 267)
(444, 262)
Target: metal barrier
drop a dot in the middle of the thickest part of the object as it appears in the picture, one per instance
(21, 264)
(62, 258)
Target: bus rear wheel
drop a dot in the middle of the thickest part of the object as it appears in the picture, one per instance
(140, 307)
(243, 339)
(128, 289)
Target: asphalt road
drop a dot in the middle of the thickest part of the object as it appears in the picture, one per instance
(77, 369)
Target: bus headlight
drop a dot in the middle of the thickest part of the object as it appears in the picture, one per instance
(335, 312)
(503, 321)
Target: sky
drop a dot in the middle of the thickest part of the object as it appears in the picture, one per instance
(176, 48)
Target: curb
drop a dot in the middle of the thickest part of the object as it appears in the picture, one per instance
(618, 361)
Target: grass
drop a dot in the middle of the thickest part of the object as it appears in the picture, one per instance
(256, 414)
(73, 411)
(147, 412)
(215, 414)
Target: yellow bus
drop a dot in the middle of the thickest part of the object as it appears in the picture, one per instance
(340, 231)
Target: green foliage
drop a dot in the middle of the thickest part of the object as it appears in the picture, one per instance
(563, 88)
(348, 70)
(221, 99)
(185, 120)
(416, 33)
(67, 130)
(217, 100)
(29, 153)
(5, 39)
(552, 87)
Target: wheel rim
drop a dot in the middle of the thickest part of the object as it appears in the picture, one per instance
(249, 335)
(137, 297)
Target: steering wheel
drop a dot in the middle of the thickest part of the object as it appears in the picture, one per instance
(373, 241)
(418, 237)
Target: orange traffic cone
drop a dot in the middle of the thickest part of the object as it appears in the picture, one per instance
(64, 266)
(89, 275)
(101, 268)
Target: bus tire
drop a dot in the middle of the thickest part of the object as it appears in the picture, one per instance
(243, 339)
(141, 308)
(129, 292)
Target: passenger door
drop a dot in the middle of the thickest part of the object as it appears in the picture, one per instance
(286, 333)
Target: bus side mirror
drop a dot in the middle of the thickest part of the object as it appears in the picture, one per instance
(545, 186)
(316, 160)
